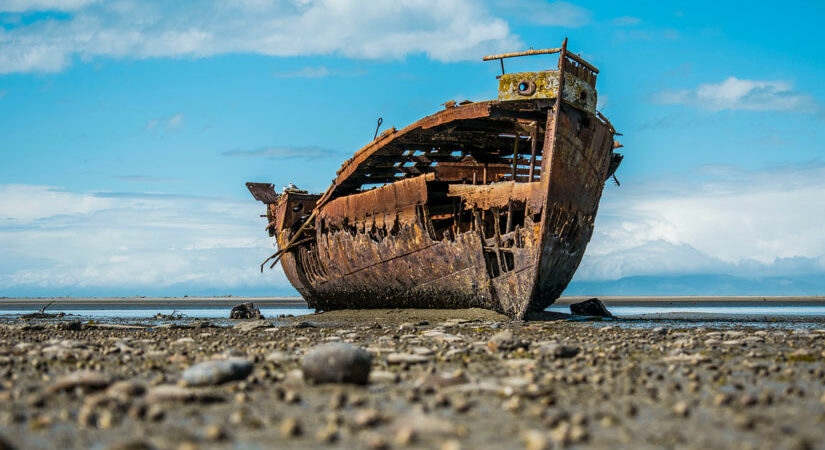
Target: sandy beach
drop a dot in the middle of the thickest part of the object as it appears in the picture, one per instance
(443, 379)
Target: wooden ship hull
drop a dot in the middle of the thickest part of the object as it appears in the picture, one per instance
(487, 204)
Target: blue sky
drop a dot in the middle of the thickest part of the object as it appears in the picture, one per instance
(128, 129)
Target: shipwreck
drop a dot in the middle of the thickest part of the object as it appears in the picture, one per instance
(485, 204)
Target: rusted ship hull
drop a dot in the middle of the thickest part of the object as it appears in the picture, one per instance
(488, 204)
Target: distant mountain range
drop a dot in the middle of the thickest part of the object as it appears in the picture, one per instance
(710, 284)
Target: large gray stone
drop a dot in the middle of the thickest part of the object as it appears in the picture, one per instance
(246, 310)
(217, 372)
(337, 363)
(593, 307)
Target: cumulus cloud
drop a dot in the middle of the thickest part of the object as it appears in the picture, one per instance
(55, 242)
(444, 31)
(734, 222)
(739, 94)
(22, 203)
(719, 220)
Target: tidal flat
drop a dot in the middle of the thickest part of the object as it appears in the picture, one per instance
(443, 379)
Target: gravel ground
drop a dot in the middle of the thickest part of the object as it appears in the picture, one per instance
(439, 379)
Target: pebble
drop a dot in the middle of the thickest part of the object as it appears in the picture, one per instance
(460, 404)
(377, 442)
(169, 393)
(405, 436)
(217, 372)
(83, 379)
(367, 418)
(681, 408)
(504, 341)
(290, 427)
(337, 400)
(722, 399)
(747, 400)
(442, 380)
(383, 376)
(215, 432)
(252, 325)
(337, 363)
(278, 357)
(292, 397)
(565, 434)
(695, 358)
(155, 413)
(427, 424)
(451, 444)
(407, 358)
(557, 350)
(799, 354)
(452, 353)
(328, 434)
(173, 393)
(535, 440)
(127, 445)
(126, 389)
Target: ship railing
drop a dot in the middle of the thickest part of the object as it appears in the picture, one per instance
(573, 63)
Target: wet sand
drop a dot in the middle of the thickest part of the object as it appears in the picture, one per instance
(440, 379)
(195, 302)
(122, 302)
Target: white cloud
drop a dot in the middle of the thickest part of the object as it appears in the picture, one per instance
(307, 152)
(738, 94)
(144, 179)
(176, 121)
(445, 31)
(719, 220)
(172, 122)
(624, 21)
(43, 5)
(57, 242)
(21, 203)
(735, 222)
(304, 72)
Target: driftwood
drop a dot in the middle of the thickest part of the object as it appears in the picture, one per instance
(41, 313)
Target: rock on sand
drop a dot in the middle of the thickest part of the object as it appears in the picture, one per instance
(337, 363)
(217, 372)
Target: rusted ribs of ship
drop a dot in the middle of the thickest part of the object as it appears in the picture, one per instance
(488, 204)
